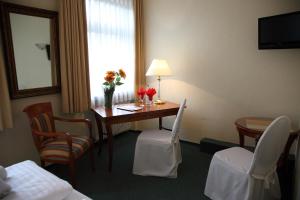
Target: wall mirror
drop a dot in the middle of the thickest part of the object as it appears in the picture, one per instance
(30, 38)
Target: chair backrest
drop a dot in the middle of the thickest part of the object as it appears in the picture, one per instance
(41, 119)
(269, 147)
(176, 125)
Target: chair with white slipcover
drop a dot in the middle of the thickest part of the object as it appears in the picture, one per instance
(238, 174)
(157, 152)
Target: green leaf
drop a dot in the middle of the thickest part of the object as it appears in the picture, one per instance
(118, 78)
(105, 83)
(119, 83)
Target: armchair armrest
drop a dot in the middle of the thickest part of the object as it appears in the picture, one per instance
(51, 134)
(64, 135)
(86, 121)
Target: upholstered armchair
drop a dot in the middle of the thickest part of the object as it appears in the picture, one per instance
(58, 147)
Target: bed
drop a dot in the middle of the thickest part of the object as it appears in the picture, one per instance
(29, 181)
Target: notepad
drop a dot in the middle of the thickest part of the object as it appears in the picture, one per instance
(130, 107)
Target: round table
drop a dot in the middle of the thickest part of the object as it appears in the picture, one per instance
(255, 126)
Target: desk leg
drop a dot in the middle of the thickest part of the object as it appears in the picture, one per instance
(110, 145)
(242, 140)
(160, 123)
(100, 131)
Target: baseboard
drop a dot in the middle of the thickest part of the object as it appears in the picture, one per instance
(211, 146)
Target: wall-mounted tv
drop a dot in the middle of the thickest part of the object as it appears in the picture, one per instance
(279, 32)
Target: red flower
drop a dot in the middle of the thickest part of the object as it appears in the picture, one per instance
(150, 93)
(141, 92)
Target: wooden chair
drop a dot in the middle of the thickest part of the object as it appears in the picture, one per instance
(58, 147)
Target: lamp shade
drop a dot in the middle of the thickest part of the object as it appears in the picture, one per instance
(159, 68)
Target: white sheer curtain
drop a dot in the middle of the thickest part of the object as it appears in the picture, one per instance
(111, 46)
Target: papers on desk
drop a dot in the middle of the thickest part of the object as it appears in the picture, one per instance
(131, 108)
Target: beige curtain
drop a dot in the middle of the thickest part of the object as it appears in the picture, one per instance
(140, 79)
(6, 120)
(74, 56)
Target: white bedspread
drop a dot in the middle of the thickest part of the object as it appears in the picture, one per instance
(30, 182)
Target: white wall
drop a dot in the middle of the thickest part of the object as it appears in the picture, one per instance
(45, 4)
(211, 47)
(16, 144)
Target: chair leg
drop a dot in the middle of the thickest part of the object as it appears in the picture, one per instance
(42, 163)
(72, 174)
(91, 152)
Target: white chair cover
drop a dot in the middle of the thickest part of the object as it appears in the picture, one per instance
(238, 174)
(157, 152)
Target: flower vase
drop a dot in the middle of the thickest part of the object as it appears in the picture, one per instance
(149, 100)
(141, 100)
(108, 97)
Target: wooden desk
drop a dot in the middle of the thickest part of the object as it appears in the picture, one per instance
(116, 116)
(255, 126)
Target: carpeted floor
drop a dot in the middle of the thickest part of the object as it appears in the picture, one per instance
(121, 184)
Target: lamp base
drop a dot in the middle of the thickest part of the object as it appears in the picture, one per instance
(159, 102)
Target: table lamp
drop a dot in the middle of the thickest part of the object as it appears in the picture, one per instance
(159, 68)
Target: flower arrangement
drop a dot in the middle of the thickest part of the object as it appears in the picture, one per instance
(112, 79)
(141, 92)
(150, 93)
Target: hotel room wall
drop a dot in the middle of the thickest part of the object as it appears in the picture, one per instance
(16, 144)
(211, 47)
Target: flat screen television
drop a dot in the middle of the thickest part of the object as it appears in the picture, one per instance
(279, 32)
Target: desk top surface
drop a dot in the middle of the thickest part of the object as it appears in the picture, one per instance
(146, 109)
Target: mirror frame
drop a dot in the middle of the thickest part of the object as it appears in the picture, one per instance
(6, 9)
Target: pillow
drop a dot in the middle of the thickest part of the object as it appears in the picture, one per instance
(3, 173)
(4, 189)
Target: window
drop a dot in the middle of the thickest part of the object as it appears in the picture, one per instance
(111, 43)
